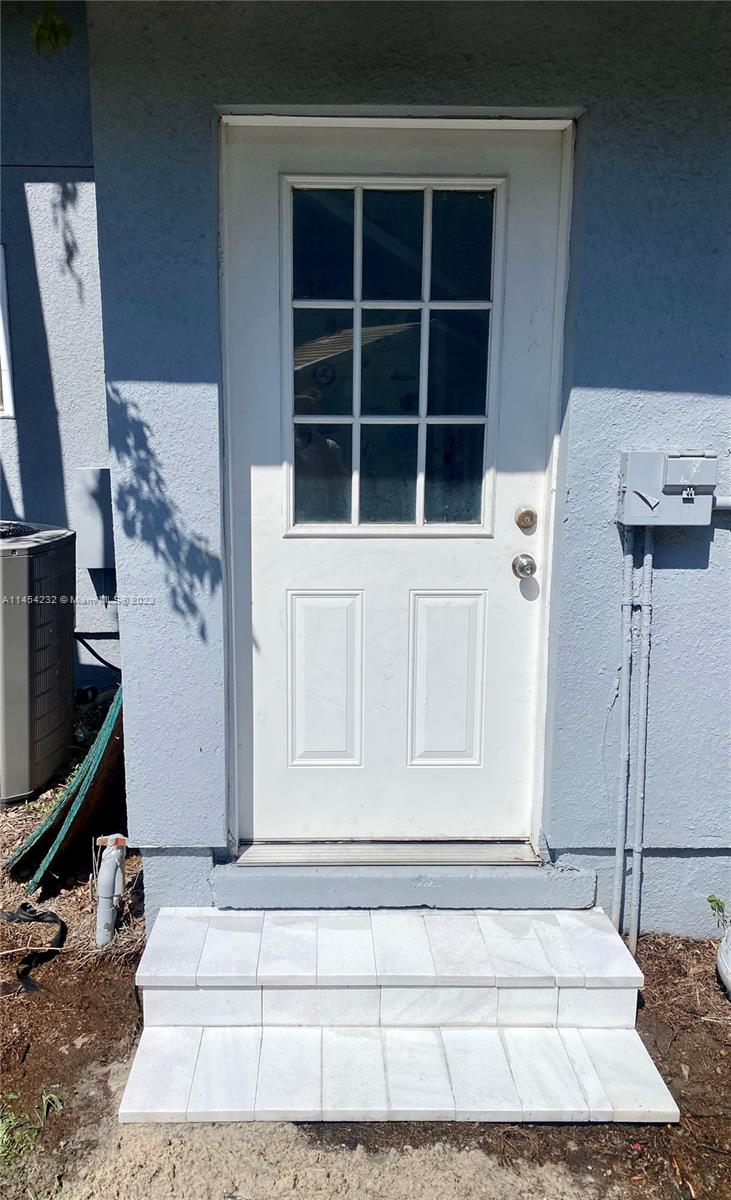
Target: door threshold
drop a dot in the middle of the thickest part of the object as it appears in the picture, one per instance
(345, 854)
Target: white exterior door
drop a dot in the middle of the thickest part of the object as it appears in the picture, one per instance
(390, 300)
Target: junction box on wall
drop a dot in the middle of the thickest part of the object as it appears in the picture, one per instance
(660, 487)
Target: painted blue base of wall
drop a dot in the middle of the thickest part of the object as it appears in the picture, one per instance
(179, 878)
(675, 886)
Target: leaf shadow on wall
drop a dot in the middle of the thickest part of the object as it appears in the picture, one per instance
(62, 208)
(147, 514)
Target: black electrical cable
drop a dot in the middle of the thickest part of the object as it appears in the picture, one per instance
(26, 912)
(98, 657)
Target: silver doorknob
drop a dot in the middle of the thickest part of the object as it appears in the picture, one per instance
(524, 566)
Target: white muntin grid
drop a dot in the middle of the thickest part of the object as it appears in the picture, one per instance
(425, 306)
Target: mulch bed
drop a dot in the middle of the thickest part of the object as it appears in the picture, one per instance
(81, 1017)
(83, 1010)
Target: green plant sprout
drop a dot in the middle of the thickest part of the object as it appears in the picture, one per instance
(18, 1134)
(718, 908)
(50, 32)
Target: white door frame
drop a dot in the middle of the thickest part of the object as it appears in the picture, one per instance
(238, 705)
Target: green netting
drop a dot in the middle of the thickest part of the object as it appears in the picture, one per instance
(69, 803)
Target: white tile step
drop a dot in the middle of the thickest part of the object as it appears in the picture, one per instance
(277, 1073)
(609, 1008)
(208, 948)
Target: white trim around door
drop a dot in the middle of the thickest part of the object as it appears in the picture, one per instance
(240, 633)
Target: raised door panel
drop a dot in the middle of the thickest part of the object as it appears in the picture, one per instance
(446, 674)
(325, 678)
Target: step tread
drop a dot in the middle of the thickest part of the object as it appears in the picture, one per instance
(393, 948)
(329, 1073)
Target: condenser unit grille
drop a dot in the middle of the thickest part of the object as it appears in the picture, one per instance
(37, 657)
(52, 631)
(16, 529)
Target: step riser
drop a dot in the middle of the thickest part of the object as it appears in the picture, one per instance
(595, 1008)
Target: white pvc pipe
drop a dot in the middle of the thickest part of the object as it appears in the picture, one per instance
(641, 755)
(723, 961)
(110, 887)
(625, 670)
(722, 502)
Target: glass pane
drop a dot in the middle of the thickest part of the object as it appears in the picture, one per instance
(461, 245)
(453, 473)
(458, 363)
(390, 361)
(323, 361)
(392, 242)
(322, 473)
(323, 244)
(387, 473)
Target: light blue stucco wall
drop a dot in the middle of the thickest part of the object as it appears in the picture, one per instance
(54, 302)
(646, 363)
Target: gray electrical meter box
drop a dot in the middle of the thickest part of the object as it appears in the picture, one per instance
(663, 487)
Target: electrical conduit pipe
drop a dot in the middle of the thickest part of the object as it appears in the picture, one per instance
(638, 826)
(625, 670)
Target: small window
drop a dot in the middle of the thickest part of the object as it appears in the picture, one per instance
(391, 299)
(6, 371)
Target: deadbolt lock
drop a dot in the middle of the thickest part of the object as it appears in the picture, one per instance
(526, 518)
(524, 566)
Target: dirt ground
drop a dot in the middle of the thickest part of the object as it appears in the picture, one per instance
(73, 1039)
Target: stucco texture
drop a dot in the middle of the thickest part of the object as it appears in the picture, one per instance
(646, 360)
(54, 302)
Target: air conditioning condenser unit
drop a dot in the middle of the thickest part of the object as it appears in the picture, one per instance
(37, 573)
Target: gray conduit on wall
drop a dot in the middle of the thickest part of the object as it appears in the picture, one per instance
(639, 759)
(625, 670)
(638, 823)
(644, 602)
